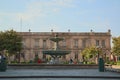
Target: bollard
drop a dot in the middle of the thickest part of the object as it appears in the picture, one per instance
(101, 65)
(3, 65)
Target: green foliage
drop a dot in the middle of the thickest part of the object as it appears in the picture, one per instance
(112, 63)
(116, 46)
(118, 63)
(14, 62)
(90, 53)
(36, 58)
(10, 41)
(66, 62)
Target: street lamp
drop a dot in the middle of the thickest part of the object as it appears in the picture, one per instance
(30, 43)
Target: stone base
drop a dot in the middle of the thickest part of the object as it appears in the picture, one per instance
(52, 66)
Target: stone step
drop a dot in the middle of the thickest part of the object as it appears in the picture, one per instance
(95, 77)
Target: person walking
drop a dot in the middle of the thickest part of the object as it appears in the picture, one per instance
(71, 61)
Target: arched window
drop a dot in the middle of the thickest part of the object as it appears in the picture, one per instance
(76, 43)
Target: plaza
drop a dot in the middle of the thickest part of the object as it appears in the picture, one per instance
(35, 43)
(60, 40)
(58, 74)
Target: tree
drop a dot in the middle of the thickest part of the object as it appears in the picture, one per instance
(90, 54)
(116, 46)
(2, 47)
(11, 42)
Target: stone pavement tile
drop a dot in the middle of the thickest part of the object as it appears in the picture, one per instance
(58, 79)
(56, 72)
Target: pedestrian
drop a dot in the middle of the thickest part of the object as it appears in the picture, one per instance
(39, 61)
(71, 61)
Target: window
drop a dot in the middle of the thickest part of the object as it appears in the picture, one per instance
(51, 44)
(97, 42)
(103, 43)
(44, 43)
(84, 43)
(64, 43)
(23, 43)
(36, 42)
(76, 43)
(36, 53)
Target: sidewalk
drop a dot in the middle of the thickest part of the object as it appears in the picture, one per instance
(40, 73)
(116, 66)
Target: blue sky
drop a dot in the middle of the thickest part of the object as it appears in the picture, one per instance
(60, 15)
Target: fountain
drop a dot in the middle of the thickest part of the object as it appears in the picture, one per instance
(56, 53)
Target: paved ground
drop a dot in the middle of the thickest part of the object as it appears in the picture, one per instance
(57, 72)
(116, 66)
(58, 79)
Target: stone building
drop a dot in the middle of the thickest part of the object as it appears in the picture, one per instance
(35, 42)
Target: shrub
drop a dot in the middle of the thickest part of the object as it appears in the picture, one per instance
(14, 62)
(118, 63)
(36, 58)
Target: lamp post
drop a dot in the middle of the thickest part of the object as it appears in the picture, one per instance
(30, 44)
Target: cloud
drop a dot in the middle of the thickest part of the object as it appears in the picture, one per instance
(43, 8)
(34, 11)
(39, 8)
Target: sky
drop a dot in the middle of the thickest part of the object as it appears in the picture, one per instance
(60, 15)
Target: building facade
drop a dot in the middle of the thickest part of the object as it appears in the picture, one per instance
(35, 42)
